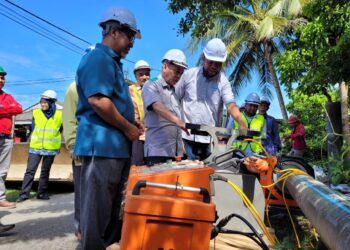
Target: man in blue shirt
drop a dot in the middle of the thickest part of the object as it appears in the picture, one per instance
(272, 142)
(106, 128)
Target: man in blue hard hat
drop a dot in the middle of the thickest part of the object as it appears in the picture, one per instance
(253, 121)
(106, 128)
(272, 142)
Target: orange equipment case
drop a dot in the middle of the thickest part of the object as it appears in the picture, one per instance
(186, 173)
(168, 206)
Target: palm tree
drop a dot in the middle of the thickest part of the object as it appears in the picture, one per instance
(254, 31)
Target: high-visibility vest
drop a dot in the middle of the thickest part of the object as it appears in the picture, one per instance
(257, 123)
(46, 133)
(138, 101)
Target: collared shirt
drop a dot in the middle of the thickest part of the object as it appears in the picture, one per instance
(202, 99)
(100, 72)
(163, 137)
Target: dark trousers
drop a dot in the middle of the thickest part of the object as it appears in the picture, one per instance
(102, 184)
(76, 179)
(32, 166)
(196, 150)
(137, 153)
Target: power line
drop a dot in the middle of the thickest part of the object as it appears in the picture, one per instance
(53, 25)
(42, 19)
(34, 25)
(15, 14)
(42, 80)
(40, 33)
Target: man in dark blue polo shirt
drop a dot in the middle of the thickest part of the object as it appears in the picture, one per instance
(106, 128)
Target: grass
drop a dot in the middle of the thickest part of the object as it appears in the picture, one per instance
(13, 189)
(12, 194)
(286, 237)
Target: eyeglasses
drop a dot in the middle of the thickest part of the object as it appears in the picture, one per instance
(130, 34)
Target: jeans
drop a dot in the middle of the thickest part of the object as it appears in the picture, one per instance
(32, 166)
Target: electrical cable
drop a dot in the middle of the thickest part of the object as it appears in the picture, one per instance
(249, 205)
(50, 32)
(40, 33)
(225, 220)
(53, 25)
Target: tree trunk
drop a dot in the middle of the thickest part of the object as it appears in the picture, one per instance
(276, 85)
(344, 88)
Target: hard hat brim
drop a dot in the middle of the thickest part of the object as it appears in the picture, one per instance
(142, 67)
(214, 58)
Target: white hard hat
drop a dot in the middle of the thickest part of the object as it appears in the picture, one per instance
(176, 57)
(252, 98)
(123, 16)
(215, 50)
(49, 94)
(141, 64)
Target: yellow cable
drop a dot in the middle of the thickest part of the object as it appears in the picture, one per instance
(253, 211)
(259, 144)
(286, 174)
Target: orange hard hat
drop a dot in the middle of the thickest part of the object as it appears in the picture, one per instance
(293, 119)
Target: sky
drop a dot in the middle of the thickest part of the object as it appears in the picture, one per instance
(28, 57)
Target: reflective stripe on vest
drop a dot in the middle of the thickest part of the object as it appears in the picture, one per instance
(257, 123)
(138, 101)
(46, 133)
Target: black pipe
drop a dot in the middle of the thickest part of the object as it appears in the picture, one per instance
(327, 210)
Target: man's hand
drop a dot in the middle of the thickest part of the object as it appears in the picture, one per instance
(140, 126)
(132, 133)
(182, 125)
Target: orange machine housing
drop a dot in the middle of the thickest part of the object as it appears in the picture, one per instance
(186, 173)
(168, 219)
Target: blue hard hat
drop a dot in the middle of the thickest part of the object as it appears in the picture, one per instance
(265, 99)
(252, 98)
(124, 16)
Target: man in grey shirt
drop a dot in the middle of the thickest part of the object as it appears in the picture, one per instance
(202, 92)
(162, 111)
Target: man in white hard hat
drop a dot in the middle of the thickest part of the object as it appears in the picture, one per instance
(142, 73)
(9, 107)
(162, 111)
(106, 128)
(253, 121)
(203, 91)
(272, 142)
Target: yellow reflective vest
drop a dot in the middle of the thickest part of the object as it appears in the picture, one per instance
(138, 100)
(257, 123)
(46, 133)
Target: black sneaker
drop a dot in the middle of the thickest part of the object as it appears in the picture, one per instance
(43, 197)
(22, 198)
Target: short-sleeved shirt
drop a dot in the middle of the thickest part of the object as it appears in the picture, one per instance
(101, 73)
(202, 99)
(163, 138)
